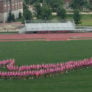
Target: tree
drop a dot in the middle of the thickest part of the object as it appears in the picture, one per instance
(61, 12)
(31, 1)
(27, 13)
(55, 4)
(90, 4)
(45, 12)
(9, 17)
(78, 4)
(20, 15)
(13, 18)
(38, 9)
(77, 17)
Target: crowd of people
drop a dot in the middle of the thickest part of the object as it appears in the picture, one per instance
(36, 71)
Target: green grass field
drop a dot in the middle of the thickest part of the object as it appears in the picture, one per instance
(48, 52)
(86, 20)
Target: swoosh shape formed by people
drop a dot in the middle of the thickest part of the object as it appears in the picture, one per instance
(36, 71)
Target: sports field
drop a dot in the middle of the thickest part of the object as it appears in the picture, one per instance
(38, 52)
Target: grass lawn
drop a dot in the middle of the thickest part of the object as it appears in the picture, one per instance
(48, 52)
(86, 20)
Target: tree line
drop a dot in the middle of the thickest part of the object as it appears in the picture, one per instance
(44, 8)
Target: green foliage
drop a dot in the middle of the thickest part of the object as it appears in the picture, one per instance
(78, 4)
(38, 9)
(11, 17)
(43, 12)
(90, 5)
(61, 12)
(27, 13)
(20, 15)
(55, 4)
(44, 8)
(77, 17)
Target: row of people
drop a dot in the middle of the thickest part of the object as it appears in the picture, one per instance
(40, 69)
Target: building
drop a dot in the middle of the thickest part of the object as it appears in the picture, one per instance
(13, 6)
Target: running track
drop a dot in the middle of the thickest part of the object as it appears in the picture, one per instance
(46, 37)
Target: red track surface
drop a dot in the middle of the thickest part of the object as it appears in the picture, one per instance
(47, 37)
